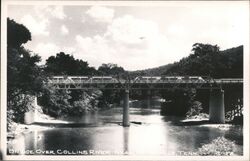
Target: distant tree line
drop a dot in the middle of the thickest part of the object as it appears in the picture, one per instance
(208, 60)
(204, 60)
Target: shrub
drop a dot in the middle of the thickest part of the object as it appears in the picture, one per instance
(59, 103)
(195, 109)
(218, 147)
(17, 106)
(200, 116)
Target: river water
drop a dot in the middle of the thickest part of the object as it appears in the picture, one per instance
(101, 133)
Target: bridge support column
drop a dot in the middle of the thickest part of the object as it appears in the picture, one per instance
(148, 98)
(216, 106)
(125, 119)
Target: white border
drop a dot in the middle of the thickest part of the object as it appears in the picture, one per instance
(3, 137)
(3, 109)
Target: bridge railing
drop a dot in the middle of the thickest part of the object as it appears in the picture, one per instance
(81, 79)
(141, 80)
(172, 79)
(229, 80)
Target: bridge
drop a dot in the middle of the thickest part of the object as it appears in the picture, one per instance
(142, 82)
(216, 99)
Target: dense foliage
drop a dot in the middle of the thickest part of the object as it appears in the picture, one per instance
(205, 60)
(65, 64)
(66, 102)
(17, 34)
(151, 71)
(110, 97)
(218, 147)
(111, 70)
(76, 102)
(59, 103)
(23, 78)
(208, 60)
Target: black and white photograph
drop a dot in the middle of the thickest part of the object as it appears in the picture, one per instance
(124, 80)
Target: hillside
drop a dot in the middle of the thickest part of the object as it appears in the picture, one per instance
(206, 60)
(152, 71)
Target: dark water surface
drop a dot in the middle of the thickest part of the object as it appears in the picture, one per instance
(101, 133)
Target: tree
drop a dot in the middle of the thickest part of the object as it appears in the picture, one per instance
(200, 49)
(71, 102)
(65, 64)
(110, 69)
(111, 96)
(55, 102)
(17, 34)
(23, 74)
(208, 60)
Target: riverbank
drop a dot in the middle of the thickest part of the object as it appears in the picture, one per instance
(202, 120)
(17, 129)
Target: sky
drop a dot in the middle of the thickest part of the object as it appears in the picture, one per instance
(133, 36)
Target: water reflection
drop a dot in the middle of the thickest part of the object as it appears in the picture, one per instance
(149, 134)
(126, 140)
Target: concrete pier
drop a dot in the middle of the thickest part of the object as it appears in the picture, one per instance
(125, 120)
(148, 99)
(216, 106)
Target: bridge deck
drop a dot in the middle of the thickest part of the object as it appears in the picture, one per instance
(107, 82)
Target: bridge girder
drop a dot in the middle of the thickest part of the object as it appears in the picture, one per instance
(107, 82)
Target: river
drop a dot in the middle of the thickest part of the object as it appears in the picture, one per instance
(101, 133)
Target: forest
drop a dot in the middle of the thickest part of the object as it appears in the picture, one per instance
(25, 78)
(204, 60)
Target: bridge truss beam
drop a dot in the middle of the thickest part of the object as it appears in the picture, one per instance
(216, 100)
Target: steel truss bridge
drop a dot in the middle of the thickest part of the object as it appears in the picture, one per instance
(216, 99)
(141, 82)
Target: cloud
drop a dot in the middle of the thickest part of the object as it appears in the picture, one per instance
(64, 30)
(58, 12)
(136, 37)
(139, 38)
(100, 13)
(127, 42)
(214, 24)
(176, 30)
(94, 49)
(83, 20)
(36, 27)
(38, 23)
(130, 30)
(43, 11)
(48, 49)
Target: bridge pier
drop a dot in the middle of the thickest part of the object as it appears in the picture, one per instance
(216, 106)
(148, 98)
(125, 119)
